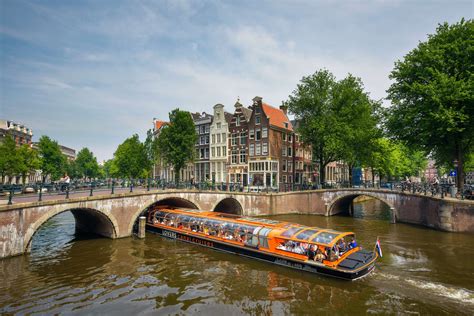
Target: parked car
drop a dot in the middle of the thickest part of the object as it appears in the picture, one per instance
(469, 191)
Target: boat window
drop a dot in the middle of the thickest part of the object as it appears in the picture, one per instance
(325, 237)
(290, 232)
(306, 234)
(252, 237)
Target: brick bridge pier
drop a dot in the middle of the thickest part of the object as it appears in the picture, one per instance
(114, 216)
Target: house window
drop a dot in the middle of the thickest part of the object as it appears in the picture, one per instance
(284, 179)
(213, 152)
(201, 139)
(197, 129)
(223, 137)
(284, 137)
(242, 156)
(290, 138)
(264, 132)
(264, 148)
(290, 166)
(207, 128)
(207, 153)
(258, 110)
(286, 124)
(243, 138)
(283, 151)
(203, 129)
(237, 120)
(218, 124)
(213, 139)
(252, 134)
(207, 139)
(218, 138)
(252, 150)
(258, 149)
(224, 151)
(283, 166)
(290, 151)
(234, 156)
(258, 134)
(202, 153)
(258, 120)
(234, 139)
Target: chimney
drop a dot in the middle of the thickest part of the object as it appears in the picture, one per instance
(257, 100)
(284, 108)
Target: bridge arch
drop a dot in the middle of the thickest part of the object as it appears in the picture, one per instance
(170, 201)
(342, 204)
(228, 205)
(87, 220)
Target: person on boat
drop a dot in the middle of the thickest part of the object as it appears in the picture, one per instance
(342, 245)
(311, 253)
(353, 243)
(320, 256)
(281, 246)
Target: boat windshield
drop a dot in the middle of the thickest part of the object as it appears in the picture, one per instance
(293, 230)
(306, 234)
(325, 237)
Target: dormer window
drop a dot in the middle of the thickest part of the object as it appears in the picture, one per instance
(237, 121)
(286, 124)
(258, 110)
(258, 119)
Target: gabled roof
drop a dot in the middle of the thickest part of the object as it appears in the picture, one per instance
(228, 117)
(247, 113)
(277, 117)
(160, 124)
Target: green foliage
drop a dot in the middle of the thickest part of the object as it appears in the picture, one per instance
(176, 141)
(395, 161)
(8, 158)
(338, 119)
(28, 161)
(151, 149)
(86, 164)
(432, 95)
(72, 169)
(130, 159)
(52, 161)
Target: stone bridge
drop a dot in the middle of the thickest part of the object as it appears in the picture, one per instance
(114, 216)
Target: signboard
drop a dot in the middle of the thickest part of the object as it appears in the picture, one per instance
(452, 173)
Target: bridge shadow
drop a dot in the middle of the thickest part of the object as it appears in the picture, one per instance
(362, 206)
(60, 230)
(229, 206)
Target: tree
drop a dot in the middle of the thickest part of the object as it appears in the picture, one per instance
(395, 161)
(86, 163)
(432, 96)
(72, 169)
(176, 141)
(337, 118)
(28, 161)
(52, 161)
(151, 149)
(8, 158)
(130, 158)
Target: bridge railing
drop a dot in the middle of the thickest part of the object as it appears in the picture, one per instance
(55, 191)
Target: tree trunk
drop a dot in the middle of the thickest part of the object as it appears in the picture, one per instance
(322, 171)
(176, 175)
(460, 169)
(350, 174)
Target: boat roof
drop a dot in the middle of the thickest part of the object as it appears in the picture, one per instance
(283, 230)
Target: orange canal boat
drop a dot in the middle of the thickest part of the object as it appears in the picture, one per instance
(311, 249)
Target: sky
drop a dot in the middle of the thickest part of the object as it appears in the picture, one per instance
(92, 73)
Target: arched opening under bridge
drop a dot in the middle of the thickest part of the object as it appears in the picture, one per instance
(171, 201)
(58, 229)
(229, 206)
(363, 206)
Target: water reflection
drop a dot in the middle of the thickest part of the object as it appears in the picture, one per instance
(422, 271)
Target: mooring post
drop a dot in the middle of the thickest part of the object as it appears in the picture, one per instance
(67, 191)
(10, 197)
(394, 216)
(141, 226)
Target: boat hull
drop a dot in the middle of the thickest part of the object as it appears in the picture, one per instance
(264, 256)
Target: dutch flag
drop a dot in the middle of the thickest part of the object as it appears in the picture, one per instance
(378, 248)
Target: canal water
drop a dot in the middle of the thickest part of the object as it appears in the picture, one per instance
(422, 272)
